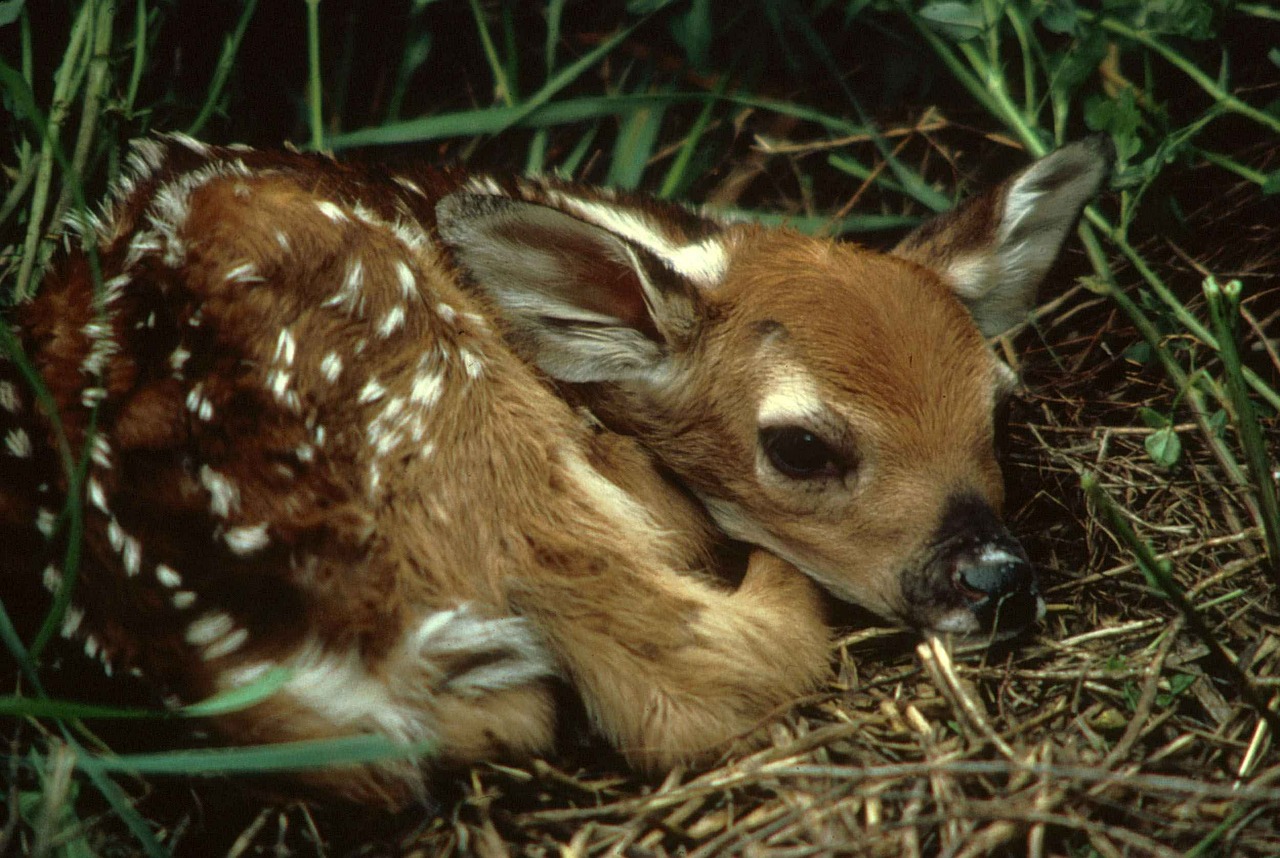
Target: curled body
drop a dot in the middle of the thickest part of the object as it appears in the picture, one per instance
(326, 413)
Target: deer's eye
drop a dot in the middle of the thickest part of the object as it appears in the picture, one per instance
(800, 454)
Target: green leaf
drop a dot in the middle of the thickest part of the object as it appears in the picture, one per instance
(957, 21)
(10, 10)
(693, 32)
(1072, 67)
(1218, 422)
(1164, 447)
(1061, 17)
(1178, 683)
(1153, 419)
(1272, 184)
(1139, 353)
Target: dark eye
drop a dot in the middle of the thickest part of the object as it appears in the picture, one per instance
(800, 454)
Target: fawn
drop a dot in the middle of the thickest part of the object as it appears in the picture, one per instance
(437, 443)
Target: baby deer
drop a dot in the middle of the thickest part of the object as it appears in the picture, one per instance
(436, 443)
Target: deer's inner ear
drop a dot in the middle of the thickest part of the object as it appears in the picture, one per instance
(995, 249)
(590, 303)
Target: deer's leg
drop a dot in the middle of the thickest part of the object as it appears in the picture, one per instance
(672, 669)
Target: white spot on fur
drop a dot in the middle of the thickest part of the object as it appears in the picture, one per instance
(332, 211)
(471, 363)
(102, 348)
(331, 366)
(286, 347)
(71, 620)
(91, 396)
(224, 495)
(283, 240)
(408, 184)
(227, 644)
(350, 294)
(100, 452)
(427, 387)
(304, 452)
(178, 359)
(114, 288)
(278, 382)
(404, 275)
(97, 495)
(131, 554)
(9, 397)
(18, 443)
(244, 273)
(371, 392)
(392, 322)
(46, 522)
(190, 142)
(52, 578)
(446, 312)
(168, 576)
(483, 185)
(143, 244)
(208, 628)
(115, 535)
(183, 599)
(247, 539)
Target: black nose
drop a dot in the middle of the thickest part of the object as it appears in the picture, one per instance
(999, 584)
(988, 569)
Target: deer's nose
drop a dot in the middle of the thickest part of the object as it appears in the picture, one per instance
(999, 585)
(986, 568)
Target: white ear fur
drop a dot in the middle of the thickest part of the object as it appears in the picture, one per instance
(582, 299)
(996, 248)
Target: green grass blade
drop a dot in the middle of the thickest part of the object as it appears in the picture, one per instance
(260, 759)
(119, 802)
(220, 704)
(1161, 580)
(314, 89)
(634, 146)
(226, 62)
(1224, 311)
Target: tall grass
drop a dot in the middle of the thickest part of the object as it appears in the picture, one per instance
(649, 97)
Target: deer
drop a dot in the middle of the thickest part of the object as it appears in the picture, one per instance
(439, 444)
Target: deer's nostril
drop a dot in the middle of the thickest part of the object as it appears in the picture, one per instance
(999, 585)
(994, 572)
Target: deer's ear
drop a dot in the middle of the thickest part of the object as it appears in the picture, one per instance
(585, 301)
(995, 248)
